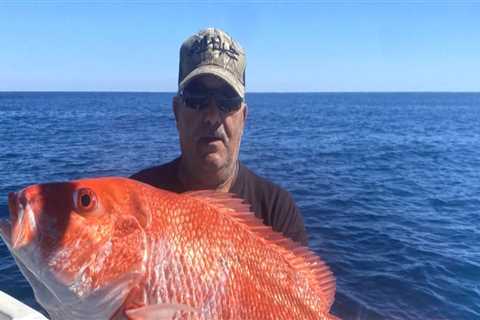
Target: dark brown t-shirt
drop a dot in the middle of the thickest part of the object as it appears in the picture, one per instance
(269, 202)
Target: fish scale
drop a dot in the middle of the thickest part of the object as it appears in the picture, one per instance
(147, 253)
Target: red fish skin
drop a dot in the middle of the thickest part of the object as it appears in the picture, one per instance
(188, 250)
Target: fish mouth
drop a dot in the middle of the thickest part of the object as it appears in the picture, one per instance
(21, 229)
(12, 206)
(5, 224)
(6, 232)
(41, 291)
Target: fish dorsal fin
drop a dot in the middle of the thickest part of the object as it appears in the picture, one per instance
(300, 257)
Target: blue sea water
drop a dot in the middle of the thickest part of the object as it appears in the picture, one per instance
(388, 183)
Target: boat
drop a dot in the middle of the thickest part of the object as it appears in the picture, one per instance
(13, 309)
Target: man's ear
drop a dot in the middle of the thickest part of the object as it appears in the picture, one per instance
(175, 106)
(245, 112)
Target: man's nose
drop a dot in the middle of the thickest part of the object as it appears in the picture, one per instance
(212, 113)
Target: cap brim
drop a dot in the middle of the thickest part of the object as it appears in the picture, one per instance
(216, 71)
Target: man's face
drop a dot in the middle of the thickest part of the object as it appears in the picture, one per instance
(209, 137)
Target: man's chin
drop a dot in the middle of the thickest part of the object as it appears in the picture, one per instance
(212, 162)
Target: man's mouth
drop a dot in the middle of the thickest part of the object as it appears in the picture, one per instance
(207, 140)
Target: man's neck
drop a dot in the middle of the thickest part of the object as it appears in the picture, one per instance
(221, 183)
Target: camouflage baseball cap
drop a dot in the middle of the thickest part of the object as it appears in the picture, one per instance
(212, 51)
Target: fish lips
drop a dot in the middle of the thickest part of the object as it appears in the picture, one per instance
(42, 292)
(5, 224)
(21, 229)
(6, 232)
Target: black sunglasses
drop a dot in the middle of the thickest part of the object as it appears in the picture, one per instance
(199, 99)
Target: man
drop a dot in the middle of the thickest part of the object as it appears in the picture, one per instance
(210, 114)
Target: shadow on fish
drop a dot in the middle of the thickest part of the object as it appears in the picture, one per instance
(115, 248)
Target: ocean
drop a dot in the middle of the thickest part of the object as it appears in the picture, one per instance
(388, 183)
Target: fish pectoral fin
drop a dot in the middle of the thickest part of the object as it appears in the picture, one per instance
(162, 311)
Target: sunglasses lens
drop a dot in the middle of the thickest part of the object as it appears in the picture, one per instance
(228, 105)
(197, 103)
(197, 97)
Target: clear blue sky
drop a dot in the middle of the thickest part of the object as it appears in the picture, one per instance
(291, 46)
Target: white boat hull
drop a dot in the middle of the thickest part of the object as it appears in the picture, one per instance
(12, 309)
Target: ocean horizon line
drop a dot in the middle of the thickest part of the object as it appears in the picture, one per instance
(248, 92)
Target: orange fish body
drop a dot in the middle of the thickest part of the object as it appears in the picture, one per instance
(114, 248)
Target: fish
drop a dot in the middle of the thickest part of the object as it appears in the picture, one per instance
(116, 248)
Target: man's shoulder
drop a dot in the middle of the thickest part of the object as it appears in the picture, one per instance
(267, 197)
(153, 171)
(160, 176)
(273, 204)
(261, 185)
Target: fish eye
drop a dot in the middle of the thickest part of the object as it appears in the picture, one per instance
(85, 200)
